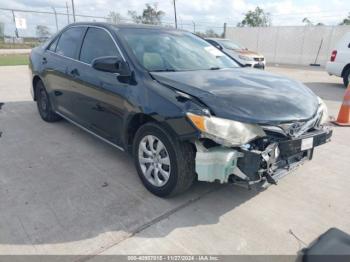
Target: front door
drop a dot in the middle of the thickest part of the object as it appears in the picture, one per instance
(99, 97)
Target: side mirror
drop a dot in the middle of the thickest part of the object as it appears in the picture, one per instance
(111, 64)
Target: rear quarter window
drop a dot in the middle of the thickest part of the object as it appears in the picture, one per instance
(53, 45)
(69, 42)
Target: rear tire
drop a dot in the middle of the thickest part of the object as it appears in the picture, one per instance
(44, 104)
(172, 170)
(346, 77)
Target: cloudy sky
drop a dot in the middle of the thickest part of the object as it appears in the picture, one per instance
(205, 14)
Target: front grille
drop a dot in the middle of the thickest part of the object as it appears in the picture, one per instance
(297, 128)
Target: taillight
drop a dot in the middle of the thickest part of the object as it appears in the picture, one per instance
(334, 55)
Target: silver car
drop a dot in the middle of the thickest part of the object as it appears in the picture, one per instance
(239, 53)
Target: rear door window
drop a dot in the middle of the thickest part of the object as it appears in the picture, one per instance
(53, 45)
(97, 43)
(69, 42)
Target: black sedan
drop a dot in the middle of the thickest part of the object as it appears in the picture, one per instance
(181, 107)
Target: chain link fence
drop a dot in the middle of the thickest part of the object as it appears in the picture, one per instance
(38, 25)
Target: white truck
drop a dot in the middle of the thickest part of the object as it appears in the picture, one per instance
(339, 64)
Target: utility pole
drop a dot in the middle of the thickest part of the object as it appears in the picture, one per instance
(225, 28)
(54, 10)
(67, 12)
(194, 27)
(73, 9)
(14, 20)
(174, 13)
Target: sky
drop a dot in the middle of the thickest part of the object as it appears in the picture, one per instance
(208, 14)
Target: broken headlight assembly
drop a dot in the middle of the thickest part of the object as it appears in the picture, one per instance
(224, 131)
(323, 108)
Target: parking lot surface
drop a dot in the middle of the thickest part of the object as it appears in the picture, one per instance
(63, 191)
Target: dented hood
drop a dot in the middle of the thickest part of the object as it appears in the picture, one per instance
(247, 95)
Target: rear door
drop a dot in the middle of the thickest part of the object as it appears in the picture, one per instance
(99, 97)
(59, 56)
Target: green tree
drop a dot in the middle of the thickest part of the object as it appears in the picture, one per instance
(150, 15)
(209, 33)
(308, 22)
(2, 29)
(255, 18)
(346, 20)
(42, 31)
(114, 17)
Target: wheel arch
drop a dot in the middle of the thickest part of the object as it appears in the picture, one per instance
(139, 119)
(344, 69)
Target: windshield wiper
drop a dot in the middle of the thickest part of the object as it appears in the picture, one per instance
(215, 68)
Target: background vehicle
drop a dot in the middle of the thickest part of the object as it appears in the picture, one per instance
(339, 63)
(239, 53)
(180, 106)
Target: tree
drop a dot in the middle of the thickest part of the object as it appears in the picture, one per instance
(255, 18)
(42, 31)
(114, 17)
(209, 33)
(346, 21)
(150, 15)
(308, 22)
(2, 29)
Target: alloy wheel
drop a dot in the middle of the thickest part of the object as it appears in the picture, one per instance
(154, 160)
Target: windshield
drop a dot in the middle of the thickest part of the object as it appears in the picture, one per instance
(171, 50)
(230, 45)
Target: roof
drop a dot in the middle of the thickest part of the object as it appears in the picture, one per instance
(215, 38)
(129, 25)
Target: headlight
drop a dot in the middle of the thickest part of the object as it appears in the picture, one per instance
(246, 58)
(324, 109)
(224, 131)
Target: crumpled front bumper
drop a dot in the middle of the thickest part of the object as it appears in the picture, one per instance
(253, 166)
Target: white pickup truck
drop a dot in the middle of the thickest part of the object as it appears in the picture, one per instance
(339, 64)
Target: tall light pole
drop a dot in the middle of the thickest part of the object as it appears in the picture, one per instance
(54, 10)
(73, 9)
(174, 1)
(67, 12)
(14, 21)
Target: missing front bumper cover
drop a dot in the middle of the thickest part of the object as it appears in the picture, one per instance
(242, 165)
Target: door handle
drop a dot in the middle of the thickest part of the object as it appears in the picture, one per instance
(44, 61)
(75, 72)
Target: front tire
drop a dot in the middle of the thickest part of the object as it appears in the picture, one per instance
(165, 165)
(44, 104)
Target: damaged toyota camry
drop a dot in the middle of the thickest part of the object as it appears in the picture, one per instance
(181, 107)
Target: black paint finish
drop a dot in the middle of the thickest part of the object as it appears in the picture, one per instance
(114, 106)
